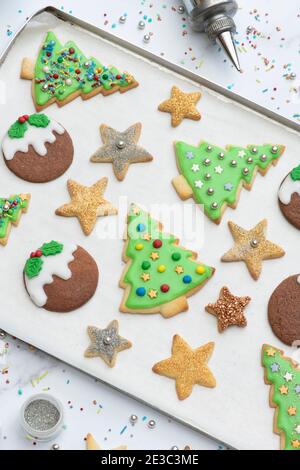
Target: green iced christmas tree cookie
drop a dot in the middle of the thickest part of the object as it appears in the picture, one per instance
(214, 177)
(284, 377)
(159, 275)
(11, 209)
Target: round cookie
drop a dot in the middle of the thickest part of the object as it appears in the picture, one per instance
(60, 278)
(37, 148)
(284, 310)
(289, 197)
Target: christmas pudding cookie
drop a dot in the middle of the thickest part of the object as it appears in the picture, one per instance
(37, 148)
(187, 366)
(284, 310)
(289, 197)
(121, 149)
(252, 247)
(11, 209)
(283, 375)
(87, 204)
(60, 277)
(159, 275)
(63, 72)
(181, 106)
(214, 177)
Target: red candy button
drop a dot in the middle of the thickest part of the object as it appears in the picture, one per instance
(157, 243)
(164, 288)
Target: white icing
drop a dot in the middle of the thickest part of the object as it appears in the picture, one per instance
(35, 136)
(288, 187)
(298, 279)
(53, 265)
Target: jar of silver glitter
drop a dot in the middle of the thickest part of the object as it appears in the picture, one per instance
(42, 417)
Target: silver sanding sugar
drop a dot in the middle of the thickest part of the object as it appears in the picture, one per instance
(41, 415)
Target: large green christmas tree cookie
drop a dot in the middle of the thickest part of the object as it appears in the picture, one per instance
(284, 377)
(214, 177)
(159, 274)
(11, 209)
(63, 72)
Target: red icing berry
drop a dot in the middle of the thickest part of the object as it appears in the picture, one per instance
(26, 117)
(96, 78)
(55, 75)
(38, 253)
(21, 119)
(157, 243)
(164, 288)
(48, 54)
(32, 255)
(71, 50)
(77, 71)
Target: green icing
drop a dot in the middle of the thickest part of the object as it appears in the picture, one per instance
(51, 248)
(33, 267)
(38, 120)
(10, 211)
(141, 263)
(69, 71)
(226, 183)
(17, 130)
(295, 173)
(276, 367)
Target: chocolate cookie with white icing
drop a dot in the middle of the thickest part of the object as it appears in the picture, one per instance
(289, 197)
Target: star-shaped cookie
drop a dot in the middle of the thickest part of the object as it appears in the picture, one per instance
(187, 366)
(92, 444)
(229, 309)
(252, 247)
(106, 343)
(181, 106)
(121, 149)
(87, 203)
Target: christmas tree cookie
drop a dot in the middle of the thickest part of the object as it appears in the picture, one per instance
(60, 277)
(214, 177)
(63, 72)
(159, 274)
(283, 375)
(36, 148)
(289, 197)
(11, 210)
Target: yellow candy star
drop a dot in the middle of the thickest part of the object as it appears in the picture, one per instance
(154, 255)
(179, 269)
(296, 444)
(292, 410)
(152, 294)
(147, 237)
(145, 277)
(271, 352)
(283, 390)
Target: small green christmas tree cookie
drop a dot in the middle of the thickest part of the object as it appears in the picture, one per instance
(11, 209)
(284, 377)
(214, 177)
(63, 72)
(159, 275)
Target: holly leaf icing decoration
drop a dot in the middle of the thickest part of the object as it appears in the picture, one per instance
(295, 174)
(33, 267)
(38, 120)
(17, 130)
(52, 248)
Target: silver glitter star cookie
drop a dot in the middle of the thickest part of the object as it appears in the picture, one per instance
(106, 343)
(121, 149)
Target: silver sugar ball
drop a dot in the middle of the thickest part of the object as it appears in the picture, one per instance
(209, 148)
(55, 447)
(233, 163)
(210, 191)
(133, 419)
(121, 144)
(249, 160)
(146, 38)
(107, 340)
(293, 75)
(181, 9)
(214, 205)
(245, 171)
(2, 334)
(141, 24)
(151, 424)
(254, 243)
(122, 19)
(254, 150)
(221, 155)
(45, 87)
(207, 176)
(274, 149)
(263, 157)
(207, 162)
(174, 448)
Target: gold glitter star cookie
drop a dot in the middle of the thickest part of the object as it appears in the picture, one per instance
(229, 309)
(187, 366)
(252, 247)
(92, 444)
(121, 149)
(106, 343)
(87, 204)
(181, 106)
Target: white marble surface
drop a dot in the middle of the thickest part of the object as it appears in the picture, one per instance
(267, 63)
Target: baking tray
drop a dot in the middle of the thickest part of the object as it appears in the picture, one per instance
(236, 411)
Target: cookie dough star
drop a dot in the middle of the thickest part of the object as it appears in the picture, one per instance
(121, 149)
(187, 366)
(252, 247)
(106, 343)
(181, 105)
(92, 444)
(87, 203)
(229, 309)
